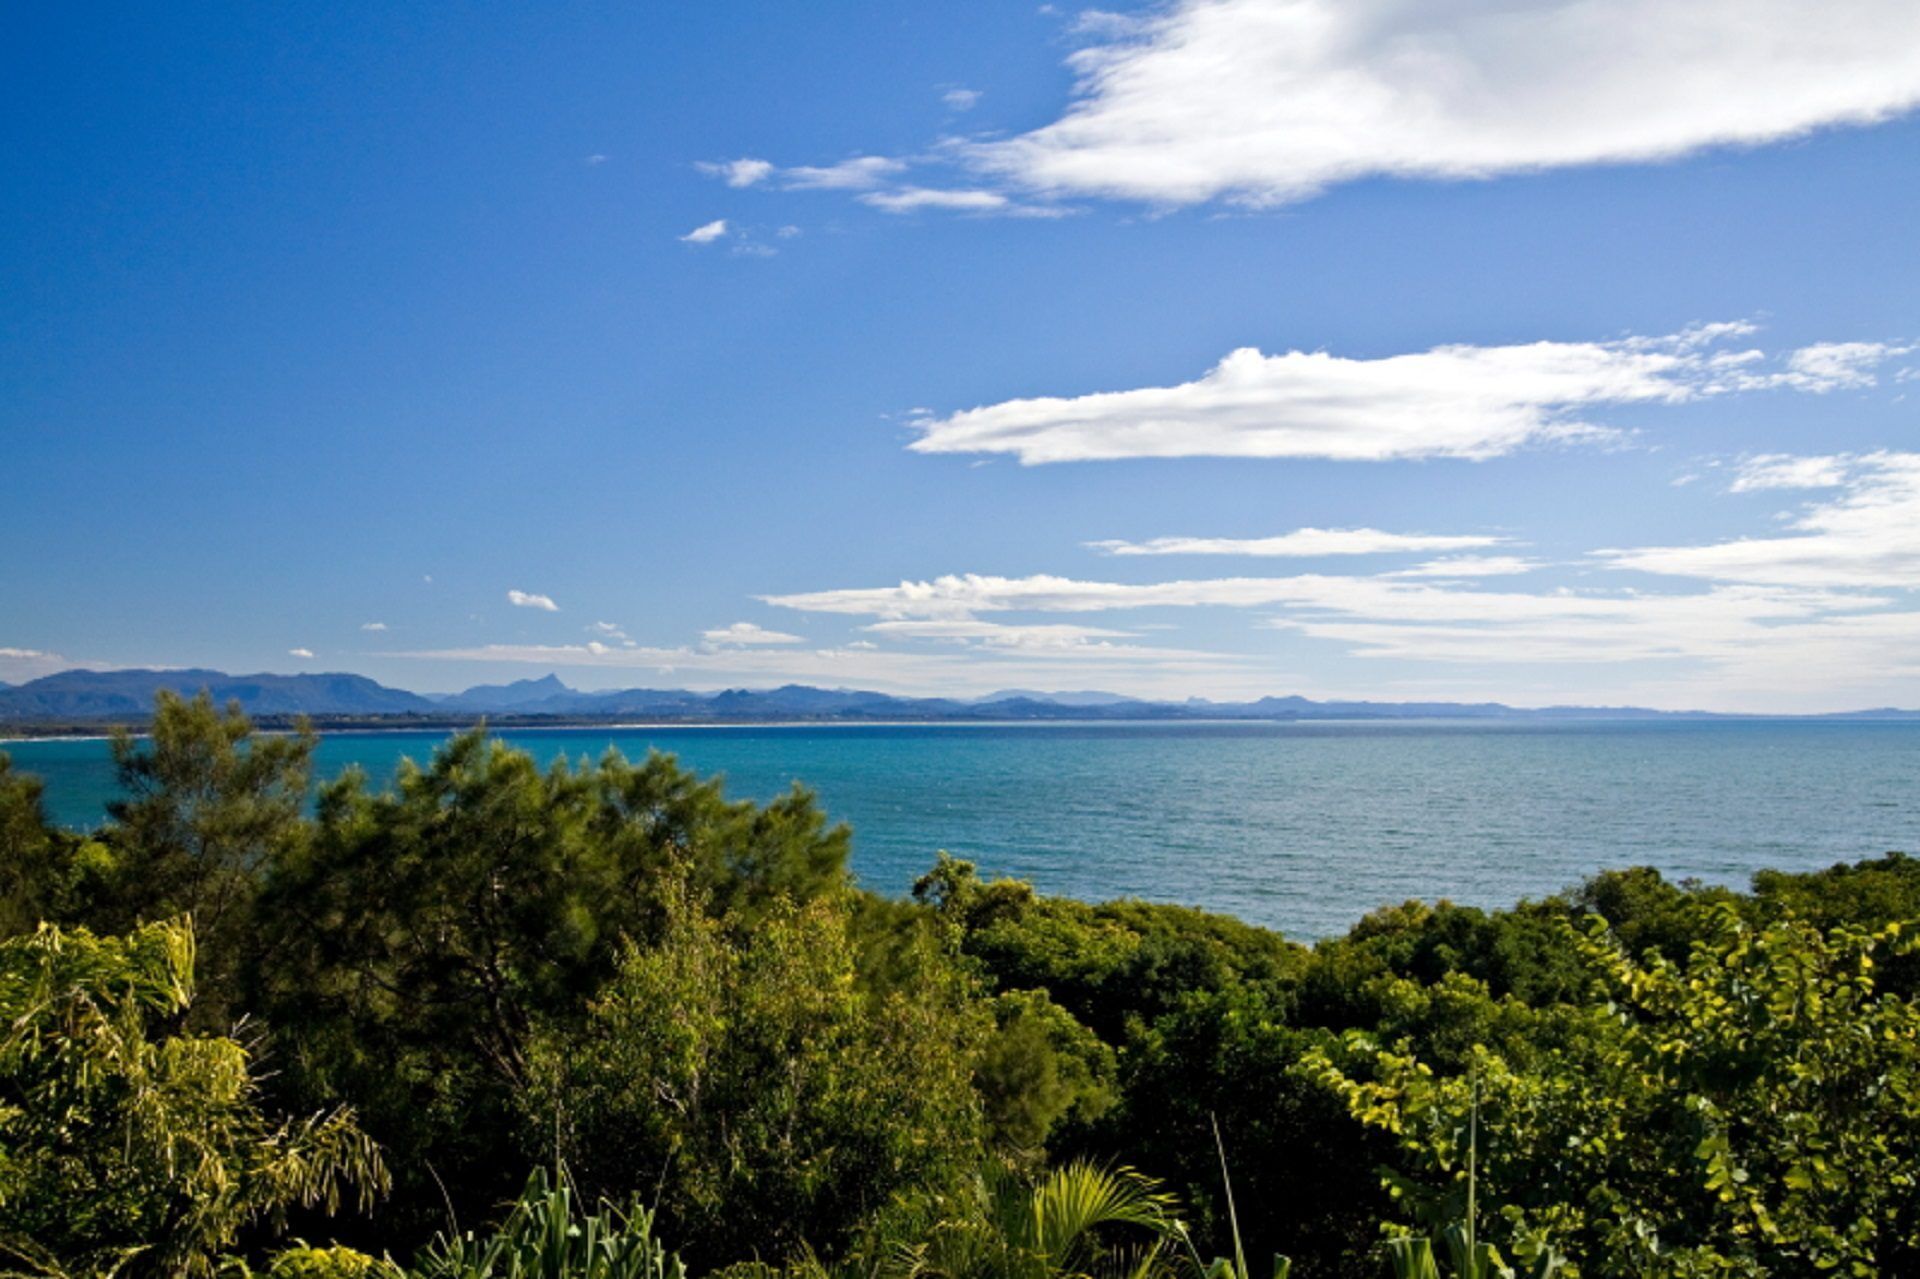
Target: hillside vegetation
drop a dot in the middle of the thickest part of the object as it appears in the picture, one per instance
(601, 1020)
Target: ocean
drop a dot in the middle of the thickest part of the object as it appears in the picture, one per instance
(1304, 827)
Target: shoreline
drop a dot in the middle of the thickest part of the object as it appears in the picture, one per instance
(278, 726)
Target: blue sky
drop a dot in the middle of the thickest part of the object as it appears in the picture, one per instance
(1546, 352)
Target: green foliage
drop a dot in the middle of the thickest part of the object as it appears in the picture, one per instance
(545, 1237)
(1412, 1257)
(125, 1147)
(208, 804)
(1222, 1267)
(46, 875)
(1079, 1220)
(303, 1261)
(1111, 966)
(1040, 1069)
(496, 965)
(1297, 1156)
(748, 1076)
(1753, 1110)
(419, 935)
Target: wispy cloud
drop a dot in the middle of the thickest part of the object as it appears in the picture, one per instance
(1458, 401)
(1051, 635)
(1867, 536)
(1264, 102)
(1833, 366)
(1300, 543)
(304, 654)
(914, 199)
(746, 633)
(18, 664)
(373, 626)
(876, 181)
(706, 233)
(1822, 614)
(1462, 566)
(857, 174)
(961, 99)
(1781, 471)
(1744, 644)
(744, 172)
(527, 599)
(608, 630)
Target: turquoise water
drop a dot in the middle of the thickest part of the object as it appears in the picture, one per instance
(1303, 827)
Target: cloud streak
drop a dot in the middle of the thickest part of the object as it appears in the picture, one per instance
(914, 199)
(747, 633)
(527, 599)
(1470, 402)
(1301, 543)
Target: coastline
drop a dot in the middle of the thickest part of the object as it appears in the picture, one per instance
(281, 725)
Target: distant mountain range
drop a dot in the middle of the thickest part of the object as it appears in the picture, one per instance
(83, 697)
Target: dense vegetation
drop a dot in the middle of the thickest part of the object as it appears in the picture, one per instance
(601, 1020)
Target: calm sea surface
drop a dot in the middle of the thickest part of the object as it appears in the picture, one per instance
(1303, 827)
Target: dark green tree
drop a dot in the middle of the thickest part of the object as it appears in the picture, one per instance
(422, 933)
(46, 874)
(207, 803)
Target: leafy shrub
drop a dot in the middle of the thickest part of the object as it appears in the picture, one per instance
(124, 1147)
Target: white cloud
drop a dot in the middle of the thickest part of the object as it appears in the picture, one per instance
(1820, 368)
(21, 664)
(1105, 23)
(1456, 566)
(996, 634)
(1300, 543)
(1868, 536)
(302, 653)
(961, 99)
(609, 629)
(748, 633)
(1832, 366)
(594, 160)
(1737, 645)
(1452, 401)
(857, 174)
(706, 233)
(787, 232)
(526, 599)
(743, 172)
(373, 626)
(913, 199)
(1782, 471)
(1269, 101)
(960, 596)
